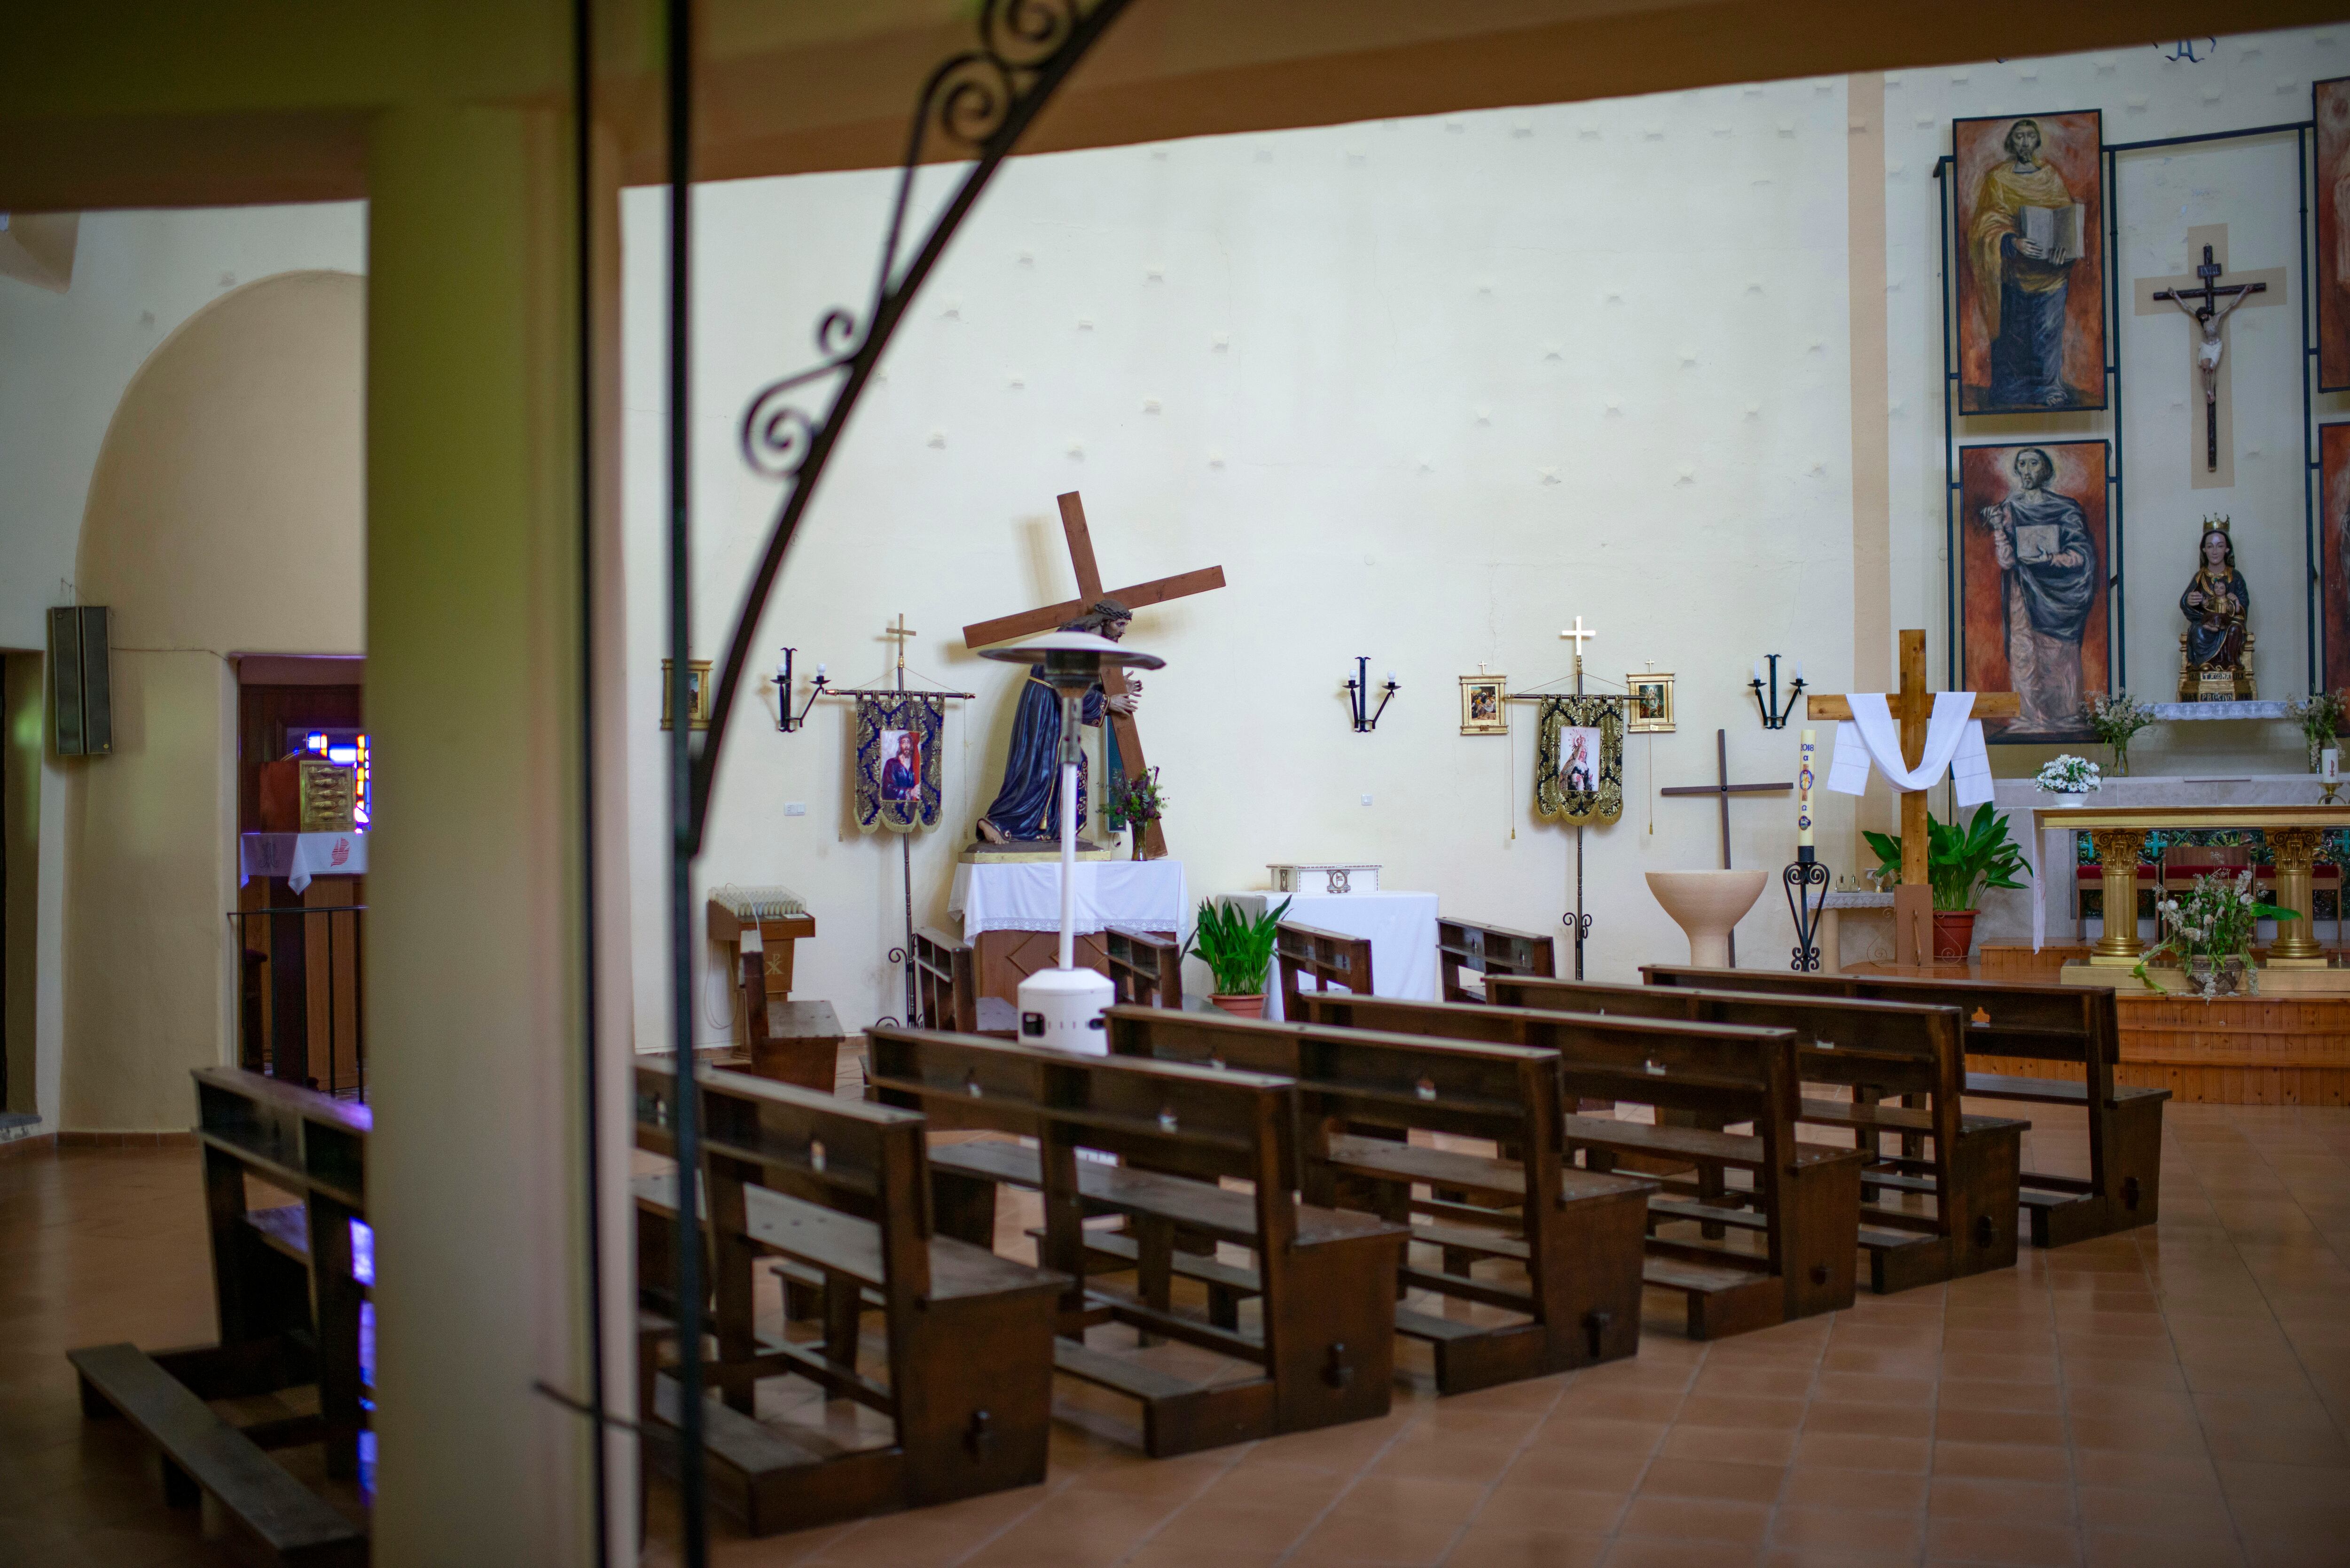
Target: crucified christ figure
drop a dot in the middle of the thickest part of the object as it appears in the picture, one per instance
(2208, 319)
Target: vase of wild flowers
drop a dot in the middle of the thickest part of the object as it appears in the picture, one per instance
(2208, 935)
(2069, 779)
(2321, 714)
(2114, 720)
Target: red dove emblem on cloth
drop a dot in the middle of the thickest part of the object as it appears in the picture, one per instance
(342, 851)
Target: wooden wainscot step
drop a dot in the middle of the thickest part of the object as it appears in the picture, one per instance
(267, 1516)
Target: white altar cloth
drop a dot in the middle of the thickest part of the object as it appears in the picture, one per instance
(298, 856)
(1026, 895)
(1401, 926)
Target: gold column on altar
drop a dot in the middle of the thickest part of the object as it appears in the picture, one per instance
(2294, 850)
(2118, 849)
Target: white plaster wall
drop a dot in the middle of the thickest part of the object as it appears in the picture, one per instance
(65, 361)
(2249, 185)
(1427, 390)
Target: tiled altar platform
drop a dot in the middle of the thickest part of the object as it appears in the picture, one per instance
(2260, 1050)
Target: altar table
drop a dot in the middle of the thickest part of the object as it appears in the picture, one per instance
(298, 856)
(2293, 834)
(1026, 895)
(1401, 927)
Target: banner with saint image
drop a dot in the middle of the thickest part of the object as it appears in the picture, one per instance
(899, 761)
(1579, 760)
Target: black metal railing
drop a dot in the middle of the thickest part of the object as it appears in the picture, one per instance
(301, 996)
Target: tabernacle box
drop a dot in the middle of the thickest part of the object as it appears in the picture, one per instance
(1324, 877)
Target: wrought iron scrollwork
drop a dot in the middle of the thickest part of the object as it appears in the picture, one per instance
(976, 105)
(1811, 913)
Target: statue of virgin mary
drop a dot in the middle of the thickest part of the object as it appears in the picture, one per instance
(1028, 807)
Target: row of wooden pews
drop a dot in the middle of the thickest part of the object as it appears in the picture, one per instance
(291, 1284)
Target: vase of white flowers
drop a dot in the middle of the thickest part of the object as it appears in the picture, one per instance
(2208, 937)
(2070, 780)
(2114, 720)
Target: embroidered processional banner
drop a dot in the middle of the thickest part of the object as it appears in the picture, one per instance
(899, 760)
(1579, 760)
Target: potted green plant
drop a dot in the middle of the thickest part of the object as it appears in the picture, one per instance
(1135, 803)
(2209, 934)
(1238, 948)
(1960, 862)
(2114, 720)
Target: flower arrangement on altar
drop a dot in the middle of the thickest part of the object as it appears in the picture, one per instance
(1135, 803)
(2114, 720)
(2209, 933)
(2069, 775)
(2321, 715)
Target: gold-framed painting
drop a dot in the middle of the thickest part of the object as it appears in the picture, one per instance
(1484, 705)
(697, 694)
(1648, 702)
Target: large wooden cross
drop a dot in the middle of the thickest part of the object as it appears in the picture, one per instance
(1912, 706)
(983, 634)
(1722, 790)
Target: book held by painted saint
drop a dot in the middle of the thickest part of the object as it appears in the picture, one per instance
(2055, 230)
(2036, 542)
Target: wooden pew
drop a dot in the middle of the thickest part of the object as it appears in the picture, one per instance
(1807, 1195)
(1489, 950)
(2073, 1026)
(946, 990)
(288, 1293)
(1146, 968)
(1331, 957)
(841, 1188)
(1873, 1048)
(1578, 1233)
(1326, 1349)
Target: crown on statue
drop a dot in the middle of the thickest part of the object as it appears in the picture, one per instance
(2213, 525)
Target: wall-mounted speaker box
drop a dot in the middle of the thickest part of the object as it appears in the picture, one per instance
(81, 695)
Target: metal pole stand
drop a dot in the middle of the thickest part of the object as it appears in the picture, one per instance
(1799, 878)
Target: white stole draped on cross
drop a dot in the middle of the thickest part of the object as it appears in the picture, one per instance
(1954, 741)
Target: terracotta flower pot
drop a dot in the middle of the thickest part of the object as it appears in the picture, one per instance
(1954, 933)
(1240, 1006)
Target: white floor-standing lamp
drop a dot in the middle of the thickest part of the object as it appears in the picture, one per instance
(1062, 1006)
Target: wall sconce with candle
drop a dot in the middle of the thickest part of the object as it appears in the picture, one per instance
(785, 720)
(1358, 695)
(1774, 716)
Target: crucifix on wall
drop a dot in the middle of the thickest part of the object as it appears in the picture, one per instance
(1912, 707)
(2207, 301)
(1159, 590)
(1723, 789)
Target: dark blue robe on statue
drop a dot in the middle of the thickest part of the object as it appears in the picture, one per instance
(1029, 805)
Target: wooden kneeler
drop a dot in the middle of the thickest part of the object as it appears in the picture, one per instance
(1875, 1049)
(841, 1187)
(1576, 1233)
(1326, 1352)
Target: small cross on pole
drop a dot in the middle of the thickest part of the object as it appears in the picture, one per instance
(898, 634)
(1724, 790)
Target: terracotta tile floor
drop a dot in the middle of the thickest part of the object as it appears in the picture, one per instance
(2178, 1396)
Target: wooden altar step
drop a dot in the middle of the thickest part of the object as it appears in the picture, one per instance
(2231, 1051)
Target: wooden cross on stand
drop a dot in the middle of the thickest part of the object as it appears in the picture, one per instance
(1725, 789)
(898, 634)
(1912, 706)
(983, 634)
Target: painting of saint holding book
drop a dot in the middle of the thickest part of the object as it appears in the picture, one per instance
(2030, 264)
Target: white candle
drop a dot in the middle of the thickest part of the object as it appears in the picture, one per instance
(819, 669)
(1804, 790)
(2330, 760)
(1799, 670)
(1758, 672)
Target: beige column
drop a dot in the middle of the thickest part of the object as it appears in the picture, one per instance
(2118, 849)
(475, 1184)
(2295, 852)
